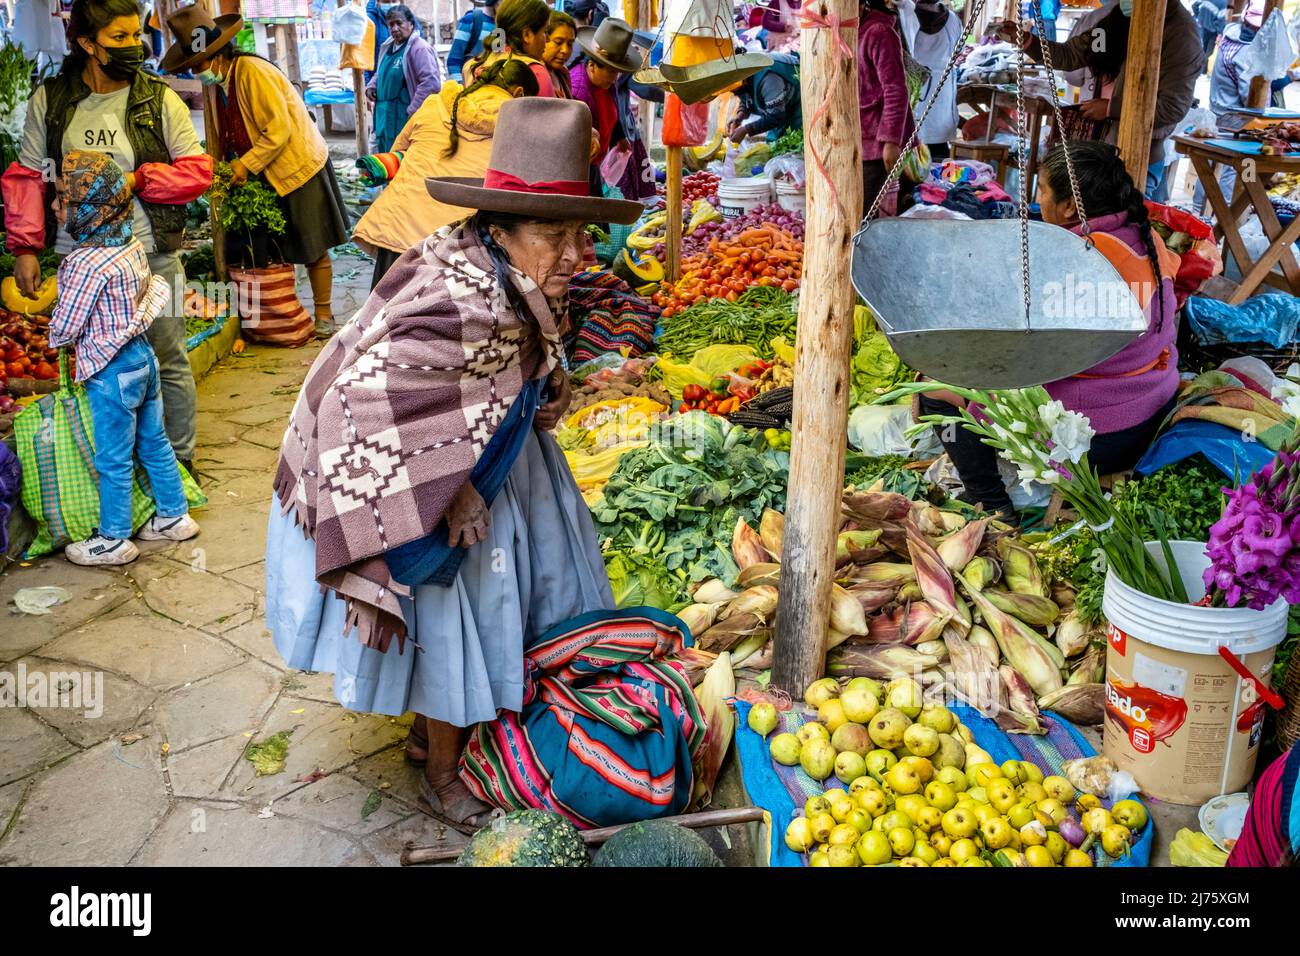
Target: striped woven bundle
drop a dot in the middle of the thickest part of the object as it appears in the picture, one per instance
(609, 732)
(379, 168)
(609, 317)
(268, 302)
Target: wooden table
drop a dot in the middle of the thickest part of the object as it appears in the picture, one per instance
(984, 98)
(1250, 194)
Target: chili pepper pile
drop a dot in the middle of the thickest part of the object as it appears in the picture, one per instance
(726, 393)
(762, 256)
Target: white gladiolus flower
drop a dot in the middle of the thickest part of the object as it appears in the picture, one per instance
(1071, 437)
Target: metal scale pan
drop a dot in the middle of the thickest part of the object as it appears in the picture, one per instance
(948, 296)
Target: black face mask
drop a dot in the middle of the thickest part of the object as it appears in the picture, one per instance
(124, 62)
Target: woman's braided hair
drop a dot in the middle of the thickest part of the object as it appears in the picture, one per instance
(513, 18)
(503, 73)
(1106, 188)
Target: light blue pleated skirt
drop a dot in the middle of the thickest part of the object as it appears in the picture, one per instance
(539, 566)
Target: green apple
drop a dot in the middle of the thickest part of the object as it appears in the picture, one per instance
(874, 848)
(851, 737)
(901, 840)
(849, 766)
(911, 804)
(954, 777)
(821, 826)
(860, 703)
(951, 753)
(879, 762)
(940, 795)
(964, 850)
(920, 740)
(831, 713)
(813, 730)
(996, 832)
(903, 779)
(867, 684)
(1002, 795)
(959, 823)
(925, 852)
(924, 769)
(815, 805)
(887, 728)
(785, 749)
(929, 819)
(817, 757)
(938, 718)
(842, 855)
(1011, 769)
(905, 694)
(1130, 813)
(1020, 814)
(820, 691)
(865, 782)
(873, 802)
(1058, 788)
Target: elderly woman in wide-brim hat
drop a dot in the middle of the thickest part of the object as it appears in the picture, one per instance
(419, 496)
(265, 130)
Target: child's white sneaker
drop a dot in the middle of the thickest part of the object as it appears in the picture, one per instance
(99, 550)
(168, 529)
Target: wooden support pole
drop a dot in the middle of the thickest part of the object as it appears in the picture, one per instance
(1260, 87)
(673, 241)
(829, 87)
(360, 103)
(212, 141)
(1141, 83)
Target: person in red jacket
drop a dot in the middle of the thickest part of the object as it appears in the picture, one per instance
(883, 106)
(101, 100)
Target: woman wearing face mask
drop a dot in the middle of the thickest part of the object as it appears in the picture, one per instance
(265, 130)
(520, 34)
(101, 100)
(405, 77)
(468, 552)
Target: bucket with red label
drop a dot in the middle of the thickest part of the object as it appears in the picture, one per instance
(1184, 684)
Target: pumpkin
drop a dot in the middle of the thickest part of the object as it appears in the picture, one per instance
(526, 838)
(15, 301)
(656, 843)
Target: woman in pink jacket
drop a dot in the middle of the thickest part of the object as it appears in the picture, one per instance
(886, 115)
(1129, 395)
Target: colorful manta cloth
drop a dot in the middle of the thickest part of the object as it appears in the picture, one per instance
(609, 317)
(379, 167)
(98, 202)
(610, 732)
(1271, 835)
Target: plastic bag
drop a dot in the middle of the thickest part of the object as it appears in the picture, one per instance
(709, 363)
(1195, 849)
(1271, 53)
(881, 430)
(788, 167)
(685, 125)
(348, 24)
(1273, 318)
(615, 163)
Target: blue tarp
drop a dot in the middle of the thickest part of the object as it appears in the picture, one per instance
(1222, 446)
(1273, 318)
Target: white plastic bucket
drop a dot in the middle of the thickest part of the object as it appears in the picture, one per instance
(738, 196)
(791, 196)
(1174, 706)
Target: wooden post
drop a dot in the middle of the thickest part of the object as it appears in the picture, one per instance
(829, 87)
(359, 101)
(212, 142)
(1141, 79)
(1260, 91)
(673, 240)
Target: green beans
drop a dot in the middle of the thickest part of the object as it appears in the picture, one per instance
(759, 315)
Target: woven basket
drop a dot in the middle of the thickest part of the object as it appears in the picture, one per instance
(1288, 722)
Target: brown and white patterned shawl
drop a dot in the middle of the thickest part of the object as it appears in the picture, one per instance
(396, 411)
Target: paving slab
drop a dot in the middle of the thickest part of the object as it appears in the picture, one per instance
(210, 834)
(106, 703)
(338, 802)
(325, 738)
(147, 648)
(260, 414)
(310, 685)
(94, 591)
(94, 809)
(234, 701)
(390, 771)
(215, 428)
(198, 598)
(239, 457)
(254, 639)
(201, 771)
(250, 576)
(27, 744)
(420, 830)
(240, 489)
(11, 796)
(231, 538)
(268, 435)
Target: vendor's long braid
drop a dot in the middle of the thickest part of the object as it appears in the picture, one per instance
(1135, 204)
(504, 73)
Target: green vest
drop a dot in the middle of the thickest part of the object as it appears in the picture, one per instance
(144, 130)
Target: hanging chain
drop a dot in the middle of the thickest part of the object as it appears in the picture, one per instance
(1022, 159)
(1046, 47)
(934, 98)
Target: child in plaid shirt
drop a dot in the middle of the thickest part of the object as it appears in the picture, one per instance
(109, 299)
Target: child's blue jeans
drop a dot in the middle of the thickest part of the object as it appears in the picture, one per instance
(126, 404)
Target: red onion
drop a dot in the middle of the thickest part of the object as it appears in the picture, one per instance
(1071, 831)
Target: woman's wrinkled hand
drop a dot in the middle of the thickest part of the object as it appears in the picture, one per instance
(548, 416)
(467, 518)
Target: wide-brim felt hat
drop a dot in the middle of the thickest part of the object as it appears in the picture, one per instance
(197, 37)
(540, 166)
(610, 44)
(703, 81)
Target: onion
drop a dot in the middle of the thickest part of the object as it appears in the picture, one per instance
(1071, 831)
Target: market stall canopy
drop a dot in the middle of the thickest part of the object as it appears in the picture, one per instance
(948, 296)
(703, 81)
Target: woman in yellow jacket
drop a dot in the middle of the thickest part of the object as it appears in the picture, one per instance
(266, 130)
(449, 135)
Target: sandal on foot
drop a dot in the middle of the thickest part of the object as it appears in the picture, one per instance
(417, 740)
(431, 804)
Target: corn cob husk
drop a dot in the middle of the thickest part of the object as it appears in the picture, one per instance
(877, 662)
(1090, 668)
(882, 574)
(850, 544)
(759, 601)
(983, 637)
(873, 599)
(1017, 722)
(935, 580)
(1021, 647)
(750, 646)
(922, 623)
(746, 548)
(698, 618)
(911, 591)
(713, 591)
(725, 635)
(846, 614)
(760, 661)
(1063, 594)
(935, 648)
(974, 673)
(928, 519)
(1032, 609)
(758, 574)
(835, 638)
(871, 507)
(1071, 635)
(887, 627)
(1078, 703)
(959, 548)
(952, 521)
(931, 678)
(718, 686)
(981, 572)
(1019, 696)
(1020, 572)
(695, 662)
(771, 532)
